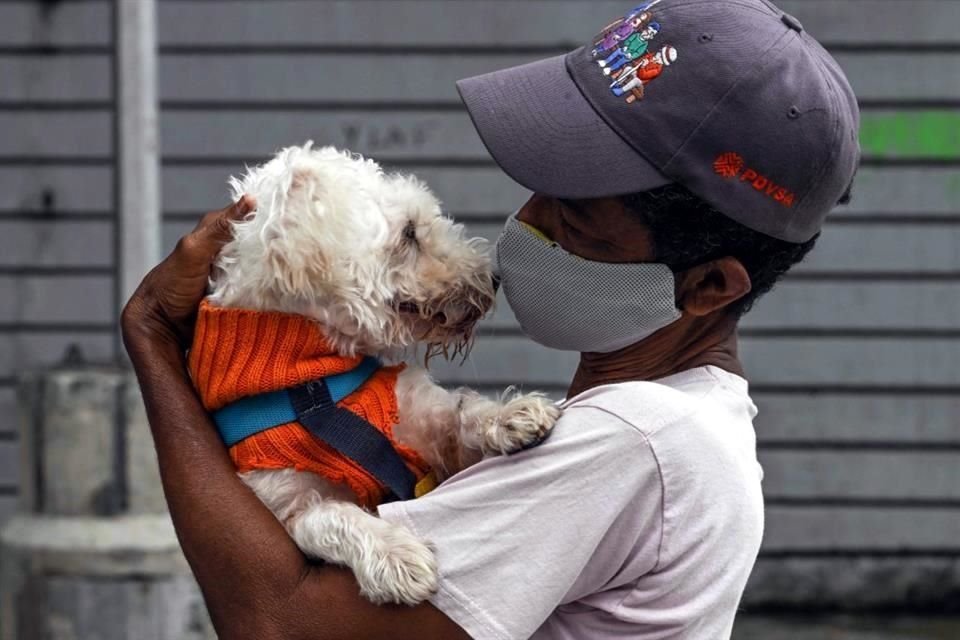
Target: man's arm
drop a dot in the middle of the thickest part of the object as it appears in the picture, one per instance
(256, 582)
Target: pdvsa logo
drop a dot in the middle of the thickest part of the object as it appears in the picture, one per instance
(732, 165)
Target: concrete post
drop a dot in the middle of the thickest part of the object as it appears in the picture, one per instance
(92, 552)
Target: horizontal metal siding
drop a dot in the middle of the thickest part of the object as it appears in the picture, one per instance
(56, 198)
(458, 24)
(853, 359)
(251, 79)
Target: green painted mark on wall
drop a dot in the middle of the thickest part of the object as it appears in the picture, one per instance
(931, 134)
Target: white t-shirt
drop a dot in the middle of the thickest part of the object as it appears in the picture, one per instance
(640, 517)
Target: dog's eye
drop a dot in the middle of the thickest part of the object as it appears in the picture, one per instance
(410, 232)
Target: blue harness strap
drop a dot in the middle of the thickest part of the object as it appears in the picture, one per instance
(353, 437)
(314, 406)
(251, 415)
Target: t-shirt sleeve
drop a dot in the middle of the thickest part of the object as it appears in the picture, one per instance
(516, 536)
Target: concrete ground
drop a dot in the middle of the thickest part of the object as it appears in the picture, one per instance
(756, 627)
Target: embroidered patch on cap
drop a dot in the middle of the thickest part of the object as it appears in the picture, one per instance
(625, 53)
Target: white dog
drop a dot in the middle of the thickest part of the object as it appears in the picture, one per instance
(371, 259)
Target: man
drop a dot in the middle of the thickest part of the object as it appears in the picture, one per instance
(653, 227)
(632, 48)
(648, 69)
(637, 12)
(624, 31)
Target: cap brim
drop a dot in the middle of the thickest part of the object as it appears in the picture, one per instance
(545, 135)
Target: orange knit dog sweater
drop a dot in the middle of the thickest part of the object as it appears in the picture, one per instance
(238, 353)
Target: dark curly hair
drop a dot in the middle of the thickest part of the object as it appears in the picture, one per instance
(686, 231)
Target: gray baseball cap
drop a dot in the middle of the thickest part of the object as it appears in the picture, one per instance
(730, 98)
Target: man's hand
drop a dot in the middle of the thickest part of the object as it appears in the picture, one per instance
(164, 307)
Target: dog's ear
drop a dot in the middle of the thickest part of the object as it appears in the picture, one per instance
(316, 194)
(302, 184)
(297, 196)
(284, 243)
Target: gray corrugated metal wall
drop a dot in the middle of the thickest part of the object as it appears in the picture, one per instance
(853, 360)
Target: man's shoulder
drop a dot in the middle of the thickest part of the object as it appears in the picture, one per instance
(647, 407)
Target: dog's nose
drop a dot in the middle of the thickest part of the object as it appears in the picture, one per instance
(472, 315)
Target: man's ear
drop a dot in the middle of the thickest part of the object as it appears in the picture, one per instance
(705, 288)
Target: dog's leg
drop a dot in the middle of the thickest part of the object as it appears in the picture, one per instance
(455, 429)
(389, 562)
(285, 491)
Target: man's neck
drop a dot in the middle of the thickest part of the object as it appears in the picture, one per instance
(686, 344)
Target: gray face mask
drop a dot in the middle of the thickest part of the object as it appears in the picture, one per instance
(566, 302)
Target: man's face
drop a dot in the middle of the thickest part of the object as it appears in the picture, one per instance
(601, 230)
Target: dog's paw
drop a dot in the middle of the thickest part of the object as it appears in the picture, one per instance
(523, 422)
(401, 569)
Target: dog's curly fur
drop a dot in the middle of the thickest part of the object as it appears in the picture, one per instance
(373, 260)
